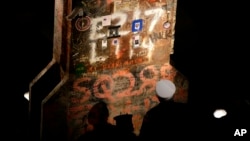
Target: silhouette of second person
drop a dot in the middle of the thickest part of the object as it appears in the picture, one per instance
(168, 119)
(102, 129)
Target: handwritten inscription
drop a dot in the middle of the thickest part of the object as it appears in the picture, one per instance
(116, 64)
(98, 58)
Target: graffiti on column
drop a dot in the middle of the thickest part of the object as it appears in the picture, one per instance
(127, 91)
(119, 50)
(120, 33)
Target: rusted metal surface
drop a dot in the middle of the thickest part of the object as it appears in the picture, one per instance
(113, 51)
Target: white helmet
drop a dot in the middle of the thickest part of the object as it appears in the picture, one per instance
(165, 89)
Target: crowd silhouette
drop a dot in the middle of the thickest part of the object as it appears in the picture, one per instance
(167, 119)
(99, 128)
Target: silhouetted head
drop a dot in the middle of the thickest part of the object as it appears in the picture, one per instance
(165, 89)
(98, 114)
(124, 122)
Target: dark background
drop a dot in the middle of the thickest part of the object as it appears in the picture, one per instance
(209, 49)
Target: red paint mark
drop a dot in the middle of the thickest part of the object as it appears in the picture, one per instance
(128, 107)
(85, 90)
(182, 95)
(127, 74)
(167, 72)
(148, 83)
(106, 85)
(154, 98)
(109, 1)
(135, 108)
(137, 121)
(117, 64)
(83, 24)
(91, 69)
(147, 103)
(113, 110)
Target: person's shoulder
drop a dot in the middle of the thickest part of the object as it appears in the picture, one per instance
(153, 110)
(153, 113)
(110, 127)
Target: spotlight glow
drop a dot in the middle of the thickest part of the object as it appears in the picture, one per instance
(219, 113)
(26, 95)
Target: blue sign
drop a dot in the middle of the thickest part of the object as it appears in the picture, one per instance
(137, 25)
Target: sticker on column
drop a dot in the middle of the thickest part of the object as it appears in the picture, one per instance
(113, 31)
(136, 41)
(137, 25)
(167, 24)
(115, 42)
(80, 69)
(104, 44)
(81, 13)
(106, 20)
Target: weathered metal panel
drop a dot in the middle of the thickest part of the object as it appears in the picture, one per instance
(113, 51)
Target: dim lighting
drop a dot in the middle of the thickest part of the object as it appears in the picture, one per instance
(26, 95)
(219, 113)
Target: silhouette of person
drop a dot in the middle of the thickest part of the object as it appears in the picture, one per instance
(98, 119)
(125, 128)
(168, 119)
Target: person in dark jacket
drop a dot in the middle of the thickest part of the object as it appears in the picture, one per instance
(168, 119)
(125, 127)
(98, 119)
